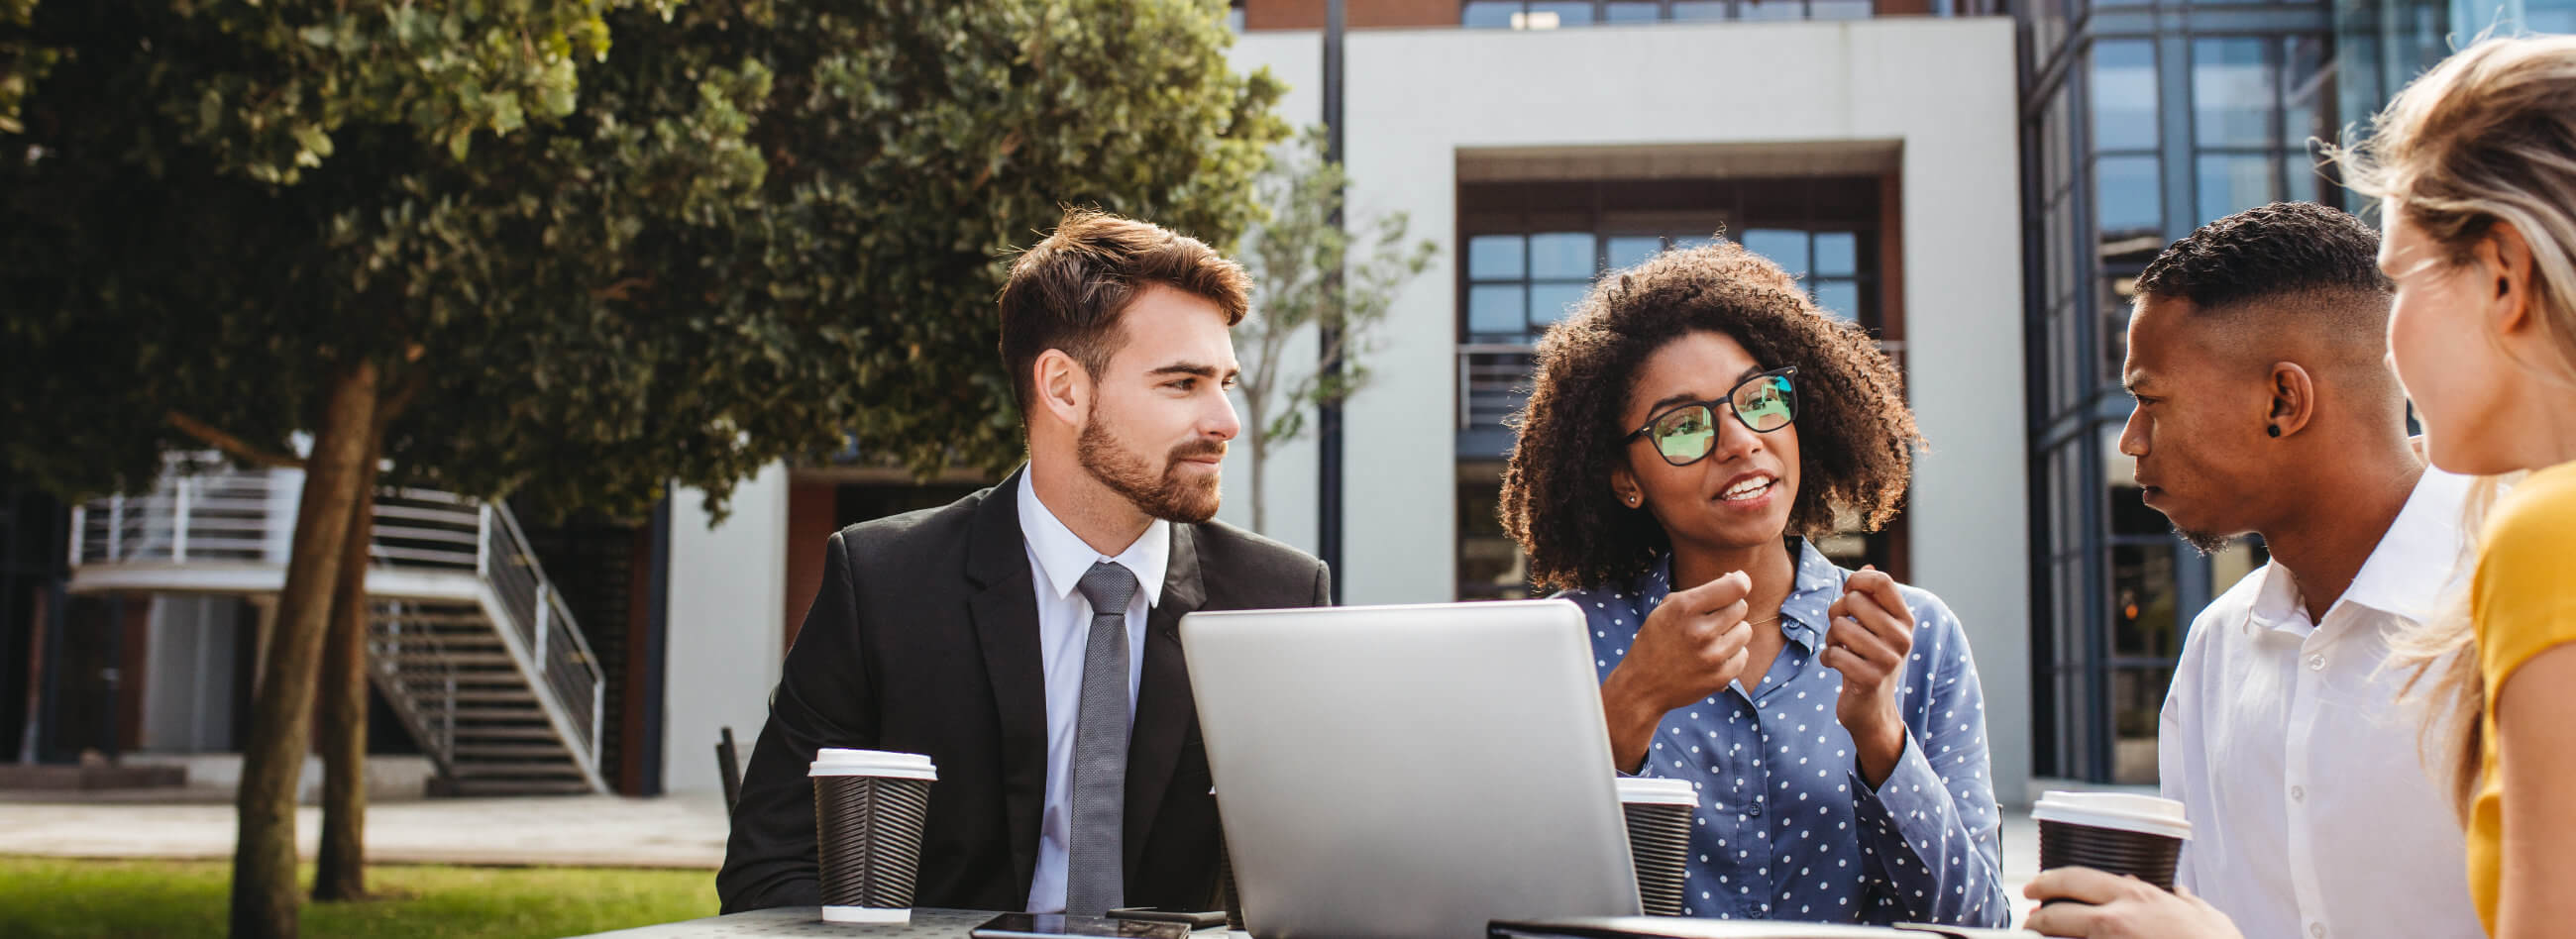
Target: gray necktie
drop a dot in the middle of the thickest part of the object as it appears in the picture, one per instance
(1094, 871)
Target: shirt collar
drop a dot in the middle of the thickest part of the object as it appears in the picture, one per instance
(1802, 615)
(2419, 561)
(2416, 563)
(1063, 557)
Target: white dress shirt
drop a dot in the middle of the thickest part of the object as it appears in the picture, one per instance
(1057, 560)
(2311, 811)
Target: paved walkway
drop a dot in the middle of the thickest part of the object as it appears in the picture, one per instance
(673, 831)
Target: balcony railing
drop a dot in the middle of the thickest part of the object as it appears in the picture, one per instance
(230, 516)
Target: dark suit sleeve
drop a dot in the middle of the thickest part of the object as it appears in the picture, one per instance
(1323, 584)
(823, 700)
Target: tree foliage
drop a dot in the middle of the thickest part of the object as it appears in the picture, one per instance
(596, 244)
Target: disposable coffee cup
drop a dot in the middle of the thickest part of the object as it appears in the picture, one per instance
(869, 809)
(2137, 835)
(1659, 826)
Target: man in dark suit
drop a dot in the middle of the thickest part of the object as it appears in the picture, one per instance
(1026, 637)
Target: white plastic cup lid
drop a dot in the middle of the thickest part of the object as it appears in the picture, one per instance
(2145, 814)
(1647, 791)
(831, 762)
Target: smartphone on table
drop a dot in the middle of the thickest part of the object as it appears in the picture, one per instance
(1052, 925)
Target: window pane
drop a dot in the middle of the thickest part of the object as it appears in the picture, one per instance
(1771, 10)
(2127, 197)
(1562, 254)
(2549, 16)
(1628, 11)
(1785, 247)
(2144, 618)
(2124, 95)
(2230, 183)
(2305, 184)
(1494, 257)
(1497, 311)
(1544, 14)
(1489, 14)
(1840, 9)
(2118, 292)
(2137, 704)
(2307, 82)
(1699, 9)
(1837, 253)
(2233, 82)
(1627, 251)
(1840, 298)
(1550, 302)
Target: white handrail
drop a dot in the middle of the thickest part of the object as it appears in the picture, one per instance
(226, 514)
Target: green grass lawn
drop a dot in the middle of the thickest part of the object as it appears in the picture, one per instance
(46, 898)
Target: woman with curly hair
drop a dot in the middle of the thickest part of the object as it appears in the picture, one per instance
(1694, 422)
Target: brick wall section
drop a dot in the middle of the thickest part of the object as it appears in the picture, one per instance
(1362, 14)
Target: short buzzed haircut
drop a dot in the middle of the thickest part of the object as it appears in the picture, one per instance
(2281, 250)
(1067, 291)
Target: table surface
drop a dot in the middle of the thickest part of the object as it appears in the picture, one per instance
(955, 924)
(808, 921)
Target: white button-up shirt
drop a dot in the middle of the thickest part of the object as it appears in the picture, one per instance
(1057, 560)
(2312, 813)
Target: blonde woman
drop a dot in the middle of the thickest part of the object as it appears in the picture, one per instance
(2475, 167)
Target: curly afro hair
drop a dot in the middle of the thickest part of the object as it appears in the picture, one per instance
(1856, 437)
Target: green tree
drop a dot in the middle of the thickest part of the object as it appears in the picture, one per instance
(1294, 300)
(573, 250)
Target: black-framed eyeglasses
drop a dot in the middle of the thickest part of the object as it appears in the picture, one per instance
(1685, 433)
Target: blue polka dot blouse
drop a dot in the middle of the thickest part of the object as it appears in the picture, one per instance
(1786, 828)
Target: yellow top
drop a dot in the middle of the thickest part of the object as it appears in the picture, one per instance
(2520, 607)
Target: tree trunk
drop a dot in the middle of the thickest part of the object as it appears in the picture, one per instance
(340, 873)
(264, 894)
(1260, 457)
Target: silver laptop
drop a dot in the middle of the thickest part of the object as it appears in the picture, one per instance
(1410, 772)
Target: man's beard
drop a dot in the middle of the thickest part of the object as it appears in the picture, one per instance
(1162, 495)
(2201, 541)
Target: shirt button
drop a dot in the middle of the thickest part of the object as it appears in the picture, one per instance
(1753, 808)
(2317, 929)
(2317, 663)
(2300, 794)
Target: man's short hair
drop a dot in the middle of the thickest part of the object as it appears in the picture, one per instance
(2278, 250)
(1067, 291)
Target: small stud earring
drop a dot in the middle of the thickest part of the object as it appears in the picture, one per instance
(2274, 430)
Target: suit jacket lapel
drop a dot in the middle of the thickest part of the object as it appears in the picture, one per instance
(1005, 610)
(1164, 708)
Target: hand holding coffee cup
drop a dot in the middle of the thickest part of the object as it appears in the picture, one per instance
(869, 810)
(2107, 863)
(2083, 902)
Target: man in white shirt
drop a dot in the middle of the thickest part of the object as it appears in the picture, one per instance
(2265, 405)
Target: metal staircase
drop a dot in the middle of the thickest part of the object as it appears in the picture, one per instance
(467, 638)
